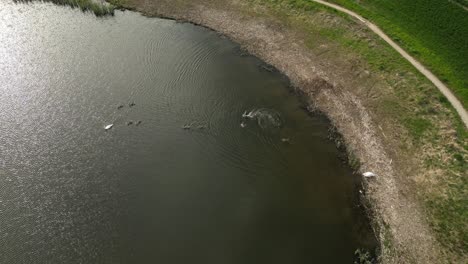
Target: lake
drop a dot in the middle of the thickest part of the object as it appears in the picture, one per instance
(211, 157)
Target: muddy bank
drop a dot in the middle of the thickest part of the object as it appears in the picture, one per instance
(338, 87)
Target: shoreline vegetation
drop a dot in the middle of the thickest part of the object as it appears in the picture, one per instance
(97, 7)
(393, 121)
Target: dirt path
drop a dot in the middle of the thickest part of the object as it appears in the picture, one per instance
(458, 4)
(429, 75)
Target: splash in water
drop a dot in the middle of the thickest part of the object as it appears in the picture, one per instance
(266, 118)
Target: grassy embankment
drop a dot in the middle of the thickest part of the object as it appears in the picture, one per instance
(96, 6)
(434, 31)
(430, 130)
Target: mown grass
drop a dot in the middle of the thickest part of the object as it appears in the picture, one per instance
(414, 104)
(434, 31)
(95, 6)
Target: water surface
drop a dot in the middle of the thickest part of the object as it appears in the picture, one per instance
(71, 192)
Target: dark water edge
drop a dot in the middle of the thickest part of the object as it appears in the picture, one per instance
(359, 215)
(363, 208)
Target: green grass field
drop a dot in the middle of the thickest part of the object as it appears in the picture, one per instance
(434, 31)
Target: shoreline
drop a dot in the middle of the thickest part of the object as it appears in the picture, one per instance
(363, 101)
(323, 95)
(398, 218)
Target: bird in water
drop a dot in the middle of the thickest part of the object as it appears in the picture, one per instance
(248, 115)
(132, 104)
(120, 107)
(285, 140)
(129, 123)
(138, 123)
(108, 127)
(243, 125)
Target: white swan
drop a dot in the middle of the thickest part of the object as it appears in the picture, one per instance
(369, 174)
